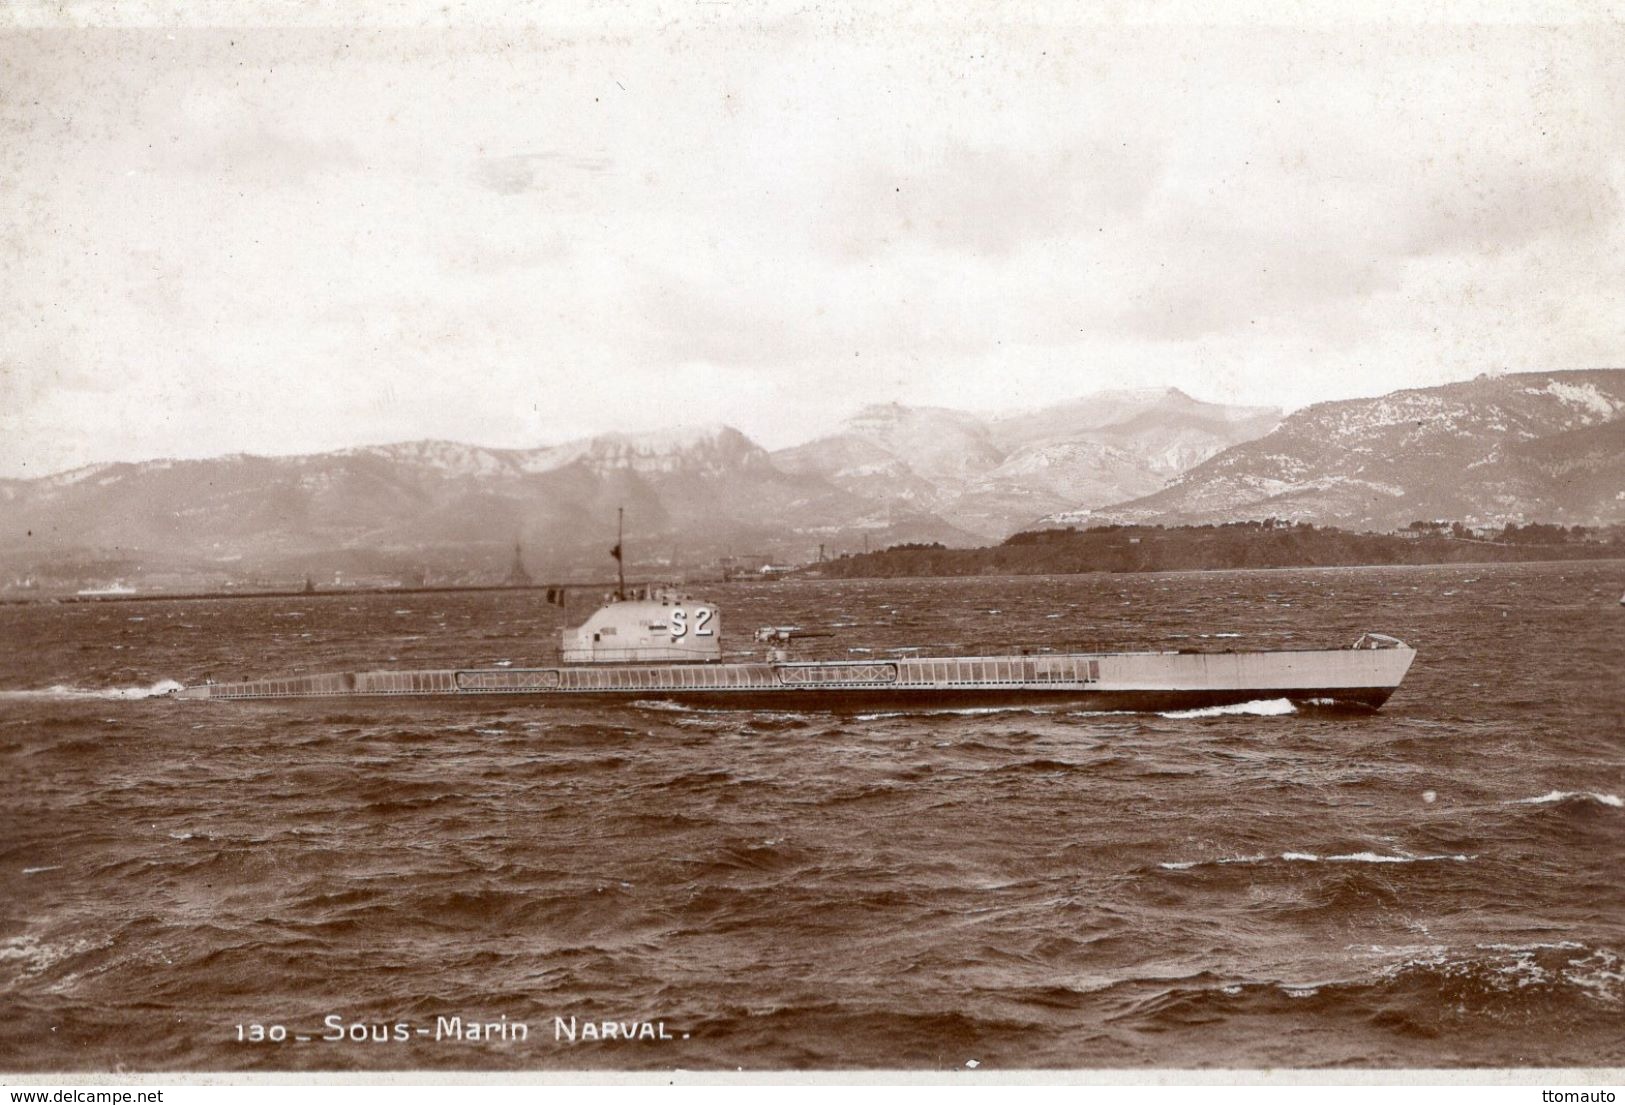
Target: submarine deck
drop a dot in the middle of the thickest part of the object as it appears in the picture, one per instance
(1132, 681)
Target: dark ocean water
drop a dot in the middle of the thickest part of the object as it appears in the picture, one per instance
(1438, 884)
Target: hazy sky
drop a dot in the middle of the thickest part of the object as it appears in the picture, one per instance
(292, 239)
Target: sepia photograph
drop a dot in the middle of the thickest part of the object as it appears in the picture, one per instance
(800, 538)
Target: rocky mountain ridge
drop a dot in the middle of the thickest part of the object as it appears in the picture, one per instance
(1527, 447)
(992, 475)
(699, 493)
(1522, 447)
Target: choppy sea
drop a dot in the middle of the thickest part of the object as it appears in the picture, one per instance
(1441, 883)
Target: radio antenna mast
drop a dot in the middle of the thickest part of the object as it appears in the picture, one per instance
(620, 562)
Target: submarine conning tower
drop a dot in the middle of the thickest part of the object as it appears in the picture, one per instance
(647, 624)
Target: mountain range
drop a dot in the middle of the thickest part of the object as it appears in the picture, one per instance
(1520, 447)
(431, 503)
(1536, 446)
(992, 475)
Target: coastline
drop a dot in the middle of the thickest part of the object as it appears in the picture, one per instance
(1123, 550)
(804, 576)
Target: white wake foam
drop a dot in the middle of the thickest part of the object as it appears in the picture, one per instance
(1372, 857)
(951, 711)
(162, 687)
(1565, 795)
(1311, 857)
(1264, 707)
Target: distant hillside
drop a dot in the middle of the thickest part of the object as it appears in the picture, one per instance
(1546, 446)
(1233, 545)
(1536, 446)
(707, 492)
(996, 474)
(692, 496)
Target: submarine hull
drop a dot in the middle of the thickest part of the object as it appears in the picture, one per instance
(859, 702)
(1147, 681)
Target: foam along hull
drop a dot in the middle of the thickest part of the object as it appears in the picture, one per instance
(1106, 681)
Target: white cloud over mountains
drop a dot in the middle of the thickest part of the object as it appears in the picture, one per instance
(281, 240)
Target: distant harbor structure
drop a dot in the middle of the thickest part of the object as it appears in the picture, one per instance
(117, 587)
(753, 566)
(517, 575)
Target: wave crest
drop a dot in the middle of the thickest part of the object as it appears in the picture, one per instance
(162, 687)
(1572, 796)
(1312, 857)
(1439, 990)
(1263, 707)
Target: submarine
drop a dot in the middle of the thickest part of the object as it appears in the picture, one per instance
(658, 643)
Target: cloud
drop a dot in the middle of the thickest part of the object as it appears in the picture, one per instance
(1497, 210)
(224, 135)
(284, 239)
(987, 200)
(515, 174)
